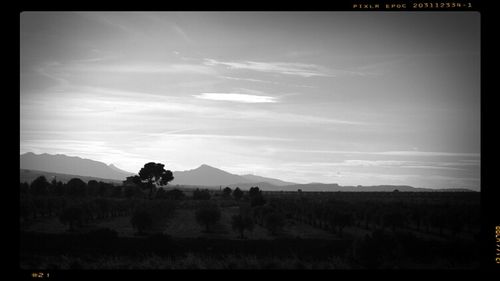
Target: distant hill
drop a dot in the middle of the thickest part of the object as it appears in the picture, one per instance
(207, 176)
(30, 175)
(275, 182)
(71, 165)
(261, 185)
(66, 167)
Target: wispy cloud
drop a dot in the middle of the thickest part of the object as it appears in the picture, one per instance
(390, 153)
(402, 164)
(265, 81)
(148, 68)
(109, 20)
(219, 137)
(47, 70)
(247, 79)
(78, 147)
(234, 97)
(182, 33)
(297, 69)
(427, 153)
(136, 107)
(383, 164)
(288, 68)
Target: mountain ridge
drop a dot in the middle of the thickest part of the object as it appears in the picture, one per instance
(72, 165)
(204, 175)
(207, 176)
(26, 175)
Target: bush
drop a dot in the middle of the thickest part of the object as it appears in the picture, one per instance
(76, 188)
(174, 194)
(201, 194)
(241, 223)
(274, 222)
(40, 186)
(208, 214)
(141, 221)
(237, 193)
(72, 216)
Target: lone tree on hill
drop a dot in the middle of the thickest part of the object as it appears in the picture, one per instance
(153, 175)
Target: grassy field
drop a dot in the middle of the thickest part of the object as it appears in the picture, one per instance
(184, 225)
(307, 240)
(188, 261)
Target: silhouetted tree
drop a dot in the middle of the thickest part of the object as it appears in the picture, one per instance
(256, 197)
(154, 175)
(52, 186)
(241, 223)
(141, 221)
(160, 193)
(161, 212)
(227, 192)
(103, 207)
(59, 189)
(208, 214)
(175, 194)
(76, 187)
(40, 186)
(342, 219)
(237, 193)
(254, 191)
(72, 216)
(92, 187)
(132, 181)
(274, 222)
(116, 191)
(201, 194)
(260, 213)
(257, 200)
(132, 191)
(103, 189)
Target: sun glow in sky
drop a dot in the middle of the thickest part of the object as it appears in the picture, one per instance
(334, 97)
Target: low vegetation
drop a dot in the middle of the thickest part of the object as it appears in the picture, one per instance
(100, 225)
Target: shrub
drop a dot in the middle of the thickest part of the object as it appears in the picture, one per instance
(208, 214)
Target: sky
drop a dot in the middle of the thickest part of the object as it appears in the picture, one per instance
(354, 98)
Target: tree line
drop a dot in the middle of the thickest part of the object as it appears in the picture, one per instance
(77, 202)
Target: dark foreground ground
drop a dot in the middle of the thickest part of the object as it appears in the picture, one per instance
(320, 231)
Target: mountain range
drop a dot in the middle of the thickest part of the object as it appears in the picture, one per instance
(71, 165)
(206, 175)
(65, 167)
